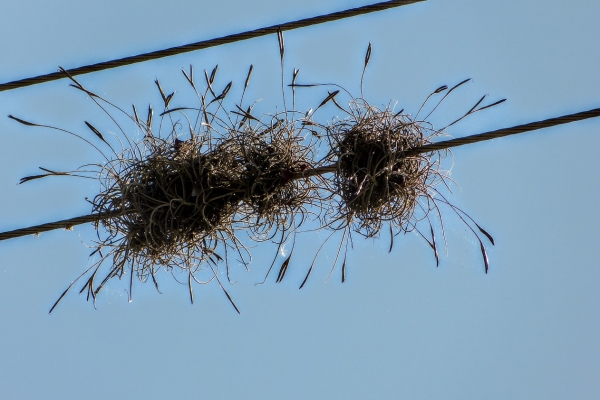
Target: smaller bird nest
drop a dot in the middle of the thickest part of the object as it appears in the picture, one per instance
(272, 156)
(375, 181)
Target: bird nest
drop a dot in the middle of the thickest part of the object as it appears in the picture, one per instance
(171, 203)
(270, 157)
(176, 199)
(376, 181)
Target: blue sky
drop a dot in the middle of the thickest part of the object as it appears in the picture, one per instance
(399, 327)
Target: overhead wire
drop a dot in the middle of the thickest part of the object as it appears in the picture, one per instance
(565, 119)
(204, 44)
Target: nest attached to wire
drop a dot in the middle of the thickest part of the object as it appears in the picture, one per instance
(272, 155)
(376, 182)
(173, 202)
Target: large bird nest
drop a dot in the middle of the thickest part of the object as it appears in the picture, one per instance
(173, 200)
(180, 203)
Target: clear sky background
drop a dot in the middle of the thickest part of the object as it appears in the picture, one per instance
(399, 327)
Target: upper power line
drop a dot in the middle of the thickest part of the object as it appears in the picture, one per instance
(207, 43)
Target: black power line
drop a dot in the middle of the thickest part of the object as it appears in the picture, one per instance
(565, 119)
(207, 43)
(532, 126)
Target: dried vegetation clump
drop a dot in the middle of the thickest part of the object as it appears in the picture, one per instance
(182, 201)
